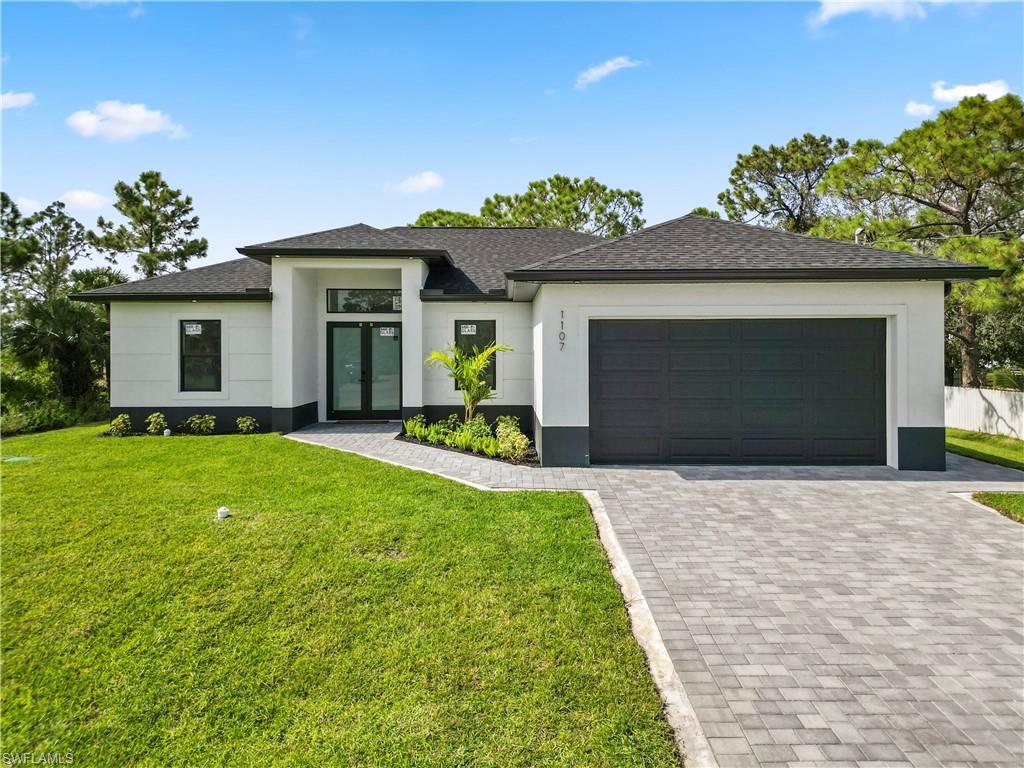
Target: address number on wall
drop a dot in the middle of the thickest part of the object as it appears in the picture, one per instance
(561, 332)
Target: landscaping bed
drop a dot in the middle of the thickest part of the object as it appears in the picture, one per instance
(503, 440)
(349, 612)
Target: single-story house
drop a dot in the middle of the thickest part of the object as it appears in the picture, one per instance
(692, 341)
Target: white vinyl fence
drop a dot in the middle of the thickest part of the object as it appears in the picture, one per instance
(996, 411)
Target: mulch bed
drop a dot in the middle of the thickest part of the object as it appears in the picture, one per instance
(530, 460)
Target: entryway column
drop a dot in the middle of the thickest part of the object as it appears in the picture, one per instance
(414, 275)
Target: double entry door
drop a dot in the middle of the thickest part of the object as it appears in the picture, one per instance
(364, 370)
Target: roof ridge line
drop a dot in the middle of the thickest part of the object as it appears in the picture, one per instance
(603, 242)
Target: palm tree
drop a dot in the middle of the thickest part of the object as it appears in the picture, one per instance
(467, 369)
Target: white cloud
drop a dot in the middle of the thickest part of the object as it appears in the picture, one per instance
(11, 100)
(27, 204)
(892, 9)
(601, 71)
(84, 198)
(991, 90)
(419, 183)
(118, 121)
(302, 26)
(917, 109)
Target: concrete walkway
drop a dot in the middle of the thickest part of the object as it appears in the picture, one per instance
(832, 616)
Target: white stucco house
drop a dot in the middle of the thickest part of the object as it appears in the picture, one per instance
(692, 341)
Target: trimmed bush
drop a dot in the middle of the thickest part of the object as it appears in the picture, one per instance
(512, 443)
(156, 423)
(121, 425)
(247, 425)
(200, 424)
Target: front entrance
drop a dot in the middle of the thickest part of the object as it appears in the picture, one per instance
(364, 370)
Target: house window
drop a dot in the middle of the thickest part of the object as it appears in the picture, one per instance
(200, 355)
(478, 334)
(364, 299)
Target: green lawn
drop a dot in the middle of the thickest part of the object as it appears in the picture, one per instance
(995, 449)
(349, 613)
(1009, 504)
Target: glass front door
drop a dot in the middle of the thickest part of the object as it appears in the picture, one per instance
(364, 370)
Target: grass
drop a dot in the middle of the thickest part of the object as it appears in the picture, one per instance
(995, 449)
(349, 613)
(1010, 505)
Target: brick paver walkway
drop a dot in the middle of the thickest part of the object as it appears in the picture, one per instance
(815, 615)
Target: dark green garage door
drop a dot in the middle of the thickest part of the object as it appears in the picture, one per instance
(737, 391)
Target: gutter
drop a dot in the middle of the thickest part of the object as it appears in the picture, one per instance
(816, 274)
(106, 298)
(436, 255)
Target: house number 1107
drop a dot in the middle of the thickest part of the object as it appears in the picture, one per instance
(561, 332)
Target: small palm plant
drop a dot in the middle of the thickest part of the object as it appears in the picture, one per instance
(468, 370)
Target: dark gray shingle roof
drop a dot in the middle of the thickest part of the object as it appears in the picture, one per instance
(701, 244)
(357, 237)
(238, 278)
(481, 256)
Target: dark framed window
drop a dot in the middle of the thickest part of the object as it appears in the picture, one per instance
(364, 299)
(478, 334)
(200, 355)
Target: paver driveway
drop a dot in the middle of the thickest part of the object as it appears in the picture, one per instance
(816, 616)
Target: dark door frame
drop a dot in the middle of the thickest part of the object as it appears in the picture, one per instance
(366, 410)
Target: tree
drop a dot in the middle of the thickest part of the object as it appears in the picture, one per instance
(18, 248)
(159, 227)
(585, 205)
(960, 180)
(700, 210)
(468, 370)
(777, 186)
(440, 217)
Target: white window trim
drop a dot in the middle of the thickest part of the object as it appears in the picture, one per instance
(224, 392)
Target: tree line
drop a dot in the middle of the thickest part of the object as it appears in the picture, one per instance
(952, 187)
(55, 357)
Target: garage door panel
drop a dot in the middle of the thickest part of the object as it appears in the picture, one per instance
(625, 389)
(761, 415)
(783, 362)
(701, 389)
(700, 447)
(699, 361)
(701, 415)
(771, 448)
(738, 391)
(632, 361)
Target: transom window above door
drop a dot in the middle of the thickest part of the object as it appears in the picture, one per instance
(362, 300)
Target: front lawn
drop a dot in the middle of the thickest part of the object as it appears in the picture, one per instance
(1009, 504)
(348, 613)
(995, 449)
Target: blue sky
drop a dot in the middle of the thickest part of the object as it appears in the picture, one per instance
(281, 118)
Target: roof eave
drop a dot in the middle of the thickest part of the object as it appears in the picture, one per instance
(750, 275)
(431, 256)
(106, 298)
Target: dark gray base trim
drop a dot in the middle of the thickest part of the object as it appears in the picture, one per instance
(225, 415)
(296, 417)
(563, 446)
(922, 448)
(490, 412)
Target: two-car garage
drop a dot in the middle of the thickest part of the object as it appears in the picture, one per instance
(743, 391)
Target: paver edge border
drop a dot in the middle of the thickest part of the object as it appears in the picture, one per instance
(689, 737)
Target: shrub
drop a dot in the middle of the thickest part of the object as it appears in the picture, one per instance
(156, 423)
(512, 443)
(478, 427)
(435, 434)
(463, 440)
(416, 426)
(13, 421)
(488, 446)
(201, 424)
(247, 425)
(121, 425)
